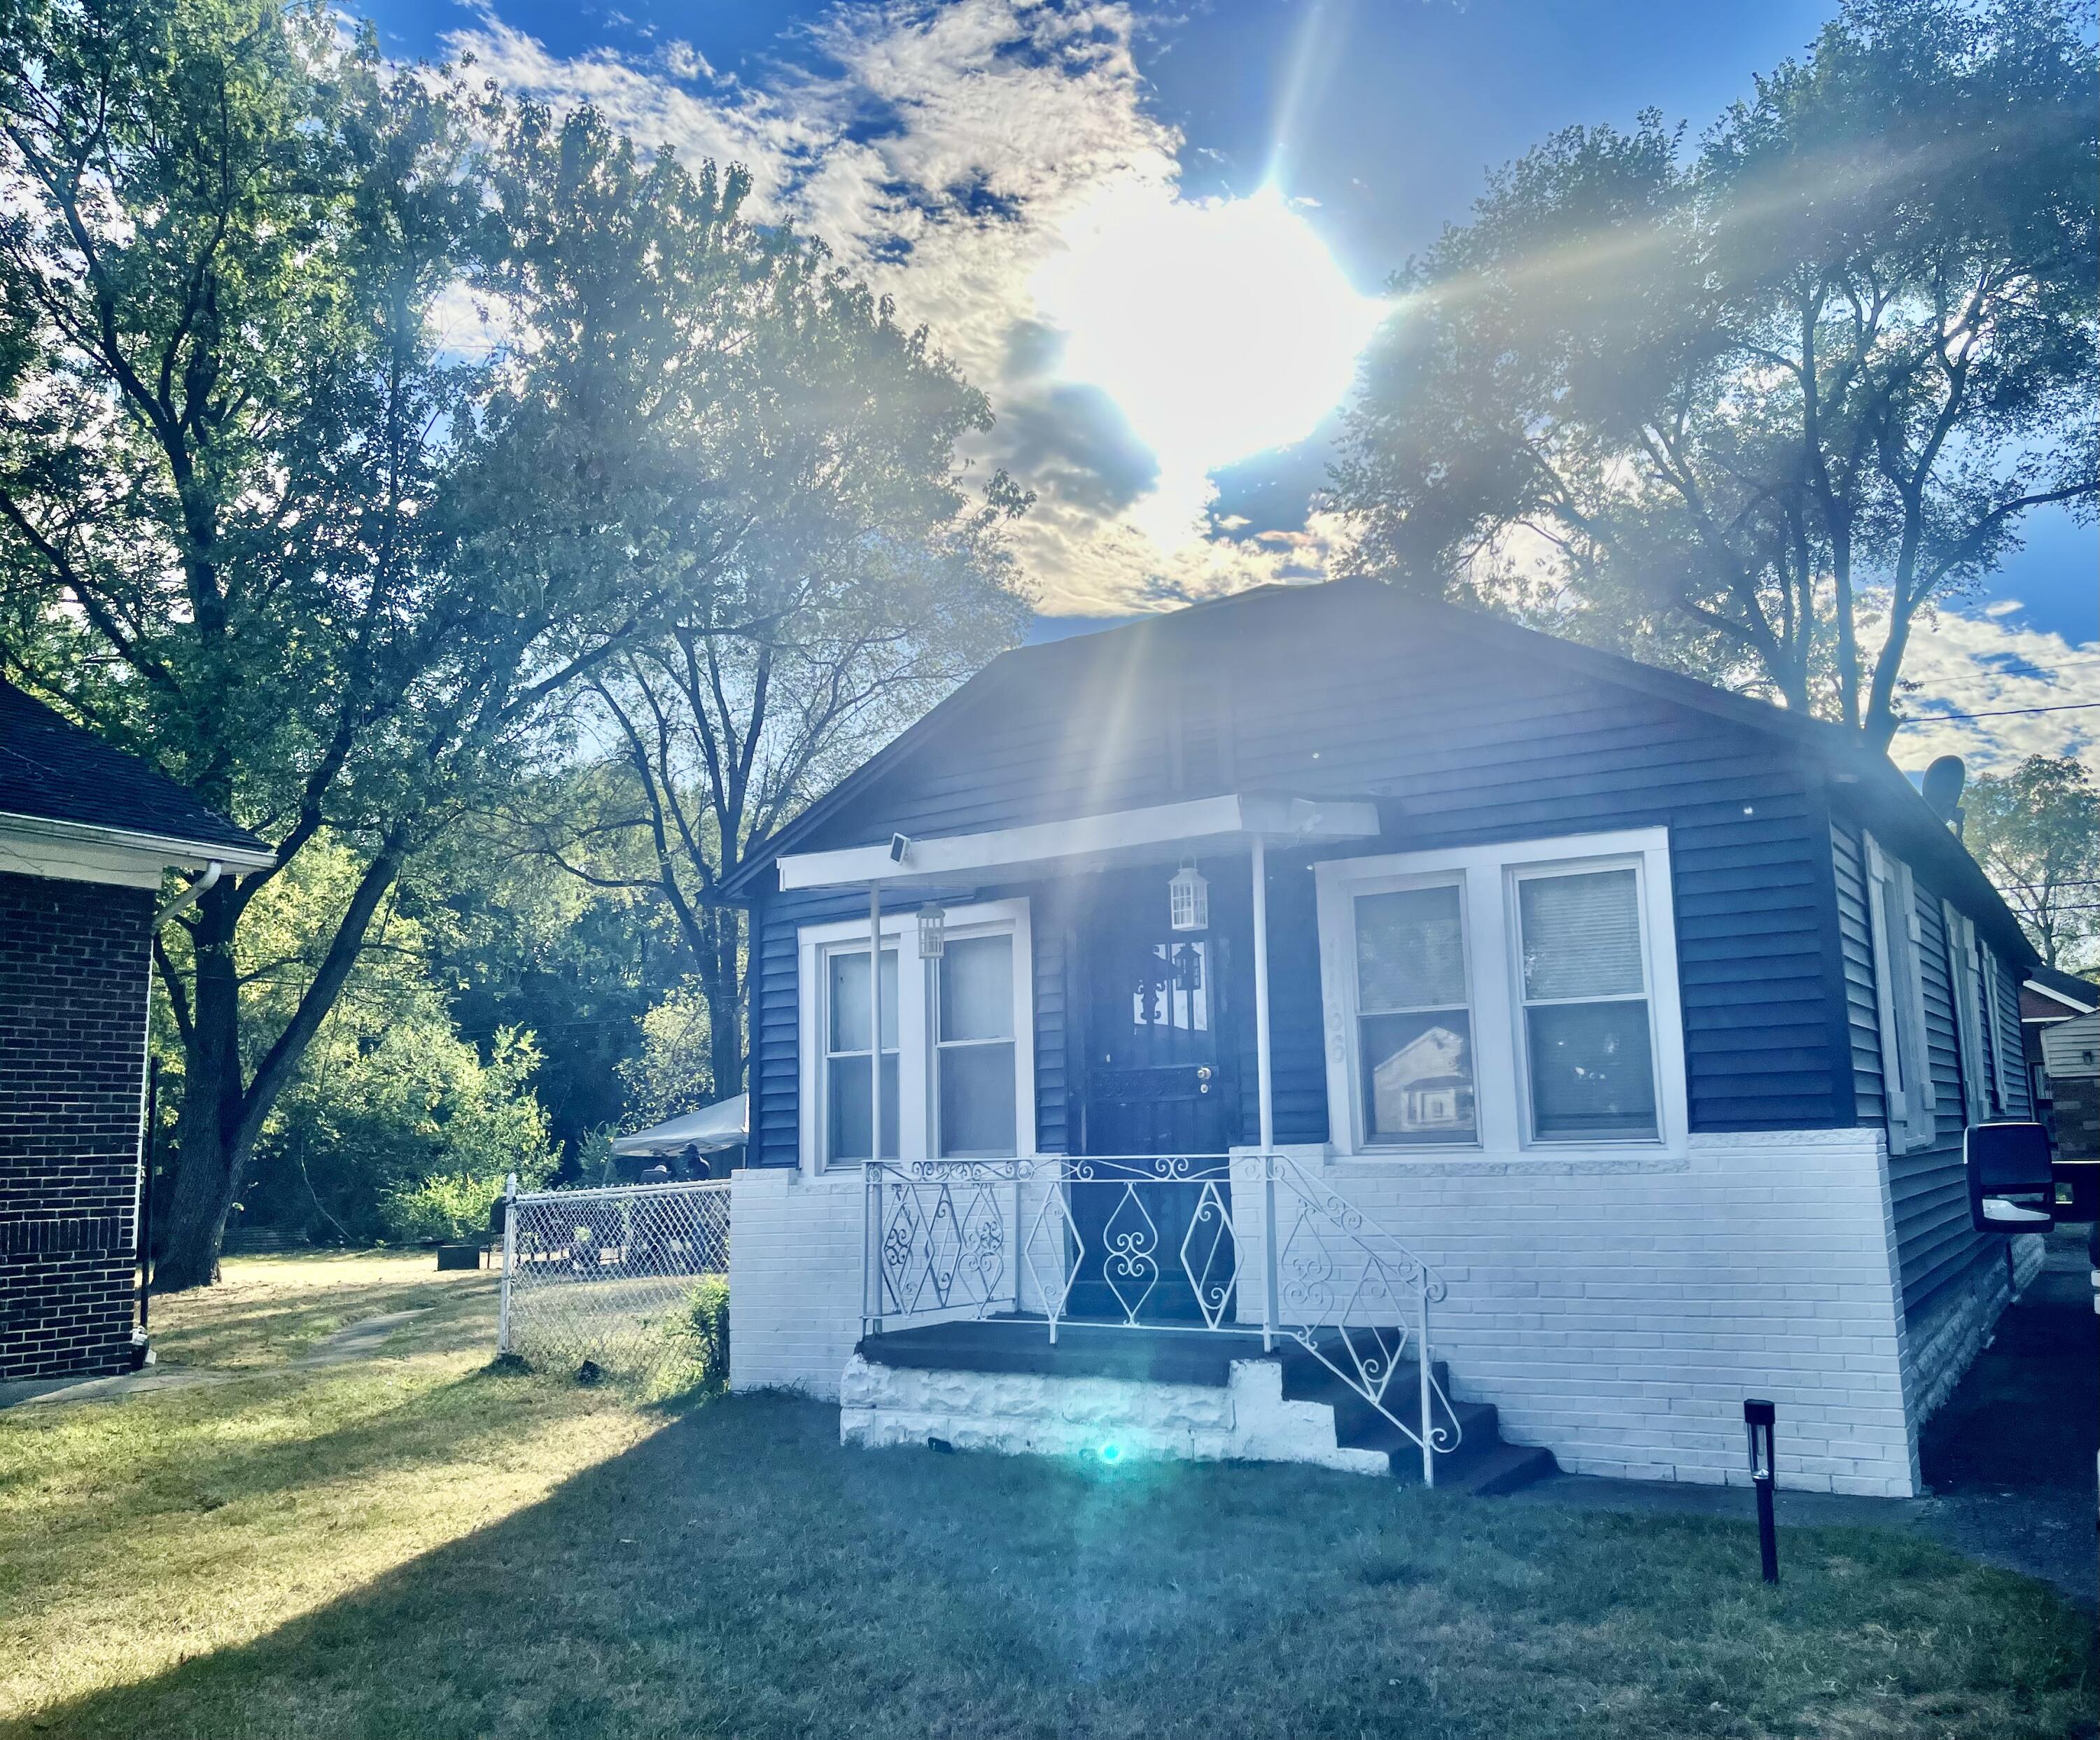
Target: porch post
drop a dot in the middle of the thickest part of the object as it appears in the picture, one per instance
(875, 1021)
(1263, 1086)
(1263, 1090)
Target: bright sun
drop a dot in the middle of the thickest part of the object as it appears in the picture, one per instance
(1221, 330)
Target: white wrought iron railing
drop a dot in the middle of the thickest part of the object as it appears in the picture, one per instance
(1201, 1244)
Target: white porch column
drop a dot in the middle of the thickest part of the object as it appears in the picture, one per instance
(1264, 1087)
(875, 1021)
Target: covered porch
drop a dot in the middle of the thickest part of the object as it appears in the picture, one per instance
(1172, 1242)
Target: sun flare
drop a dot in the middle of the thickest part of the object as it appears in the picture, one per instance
(1221, 329)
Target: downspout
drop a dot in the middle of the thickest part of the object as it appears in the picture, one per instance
(191, 895)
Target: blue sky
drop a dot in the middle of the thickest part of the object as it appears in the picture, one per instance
(1377, 117)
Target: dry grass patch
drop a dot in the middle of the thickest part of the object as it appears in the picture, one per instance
(267, 1310)
(421, 1546)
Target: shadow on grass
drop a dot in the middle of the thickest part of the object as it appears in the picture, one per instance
(739, 1573)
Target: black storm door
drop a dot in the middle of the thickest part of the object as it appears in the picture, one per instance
(1158, 1083)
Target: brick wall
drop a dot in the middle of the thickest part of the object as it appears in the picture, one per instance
(794, 1279)
(1617, 1310)
(2077, 1117)
(73, 966)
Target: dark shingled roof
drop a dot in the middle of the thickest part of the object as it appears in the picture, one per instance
(52, 769)
(2069, 984)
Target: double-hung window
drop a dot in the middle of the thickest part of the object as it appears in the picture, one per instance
(957, 1058)
(849, 1105)
(1898, 935)
(1588, 1033)
(974, 1048)
(1415, 1021)
(1502, 998)
(1973, 1025)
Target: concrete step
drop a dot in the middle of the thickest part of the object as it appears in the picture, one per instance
(1482, 1463)
(1483, 1473)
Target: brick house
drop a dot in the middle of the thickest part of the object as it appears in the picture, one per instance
(86, 834)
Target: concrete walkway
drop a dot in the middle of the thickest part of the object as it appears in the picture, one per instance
(2008, 1461)
(357, 1340)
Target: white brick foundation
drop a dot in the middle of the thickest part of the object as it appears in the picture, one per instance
(794, 1279)
(1025, 1414)
(1617, 1310)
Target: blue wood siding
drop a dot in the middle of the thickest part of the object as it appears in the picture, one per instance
(1455, 760)
(1462, 741)
(1936, 1244)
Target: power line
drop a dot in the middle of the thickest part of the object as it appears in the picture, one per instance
(2001, 712)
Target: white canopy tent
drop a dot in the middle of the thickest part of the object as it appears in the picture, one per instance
(712, 1129)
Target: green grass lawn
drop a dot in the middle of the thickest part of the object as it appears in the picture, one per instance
(419, 1545)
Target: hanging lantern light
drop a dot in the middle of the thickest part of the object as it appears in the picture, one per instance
(1189, 899)
(933, 931)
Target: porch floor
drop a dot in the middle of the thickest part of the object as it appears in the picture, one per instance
(1022, 1344)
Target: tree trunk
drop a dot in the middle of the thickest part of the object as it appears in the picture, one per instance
(209, 1149)
(723, 980)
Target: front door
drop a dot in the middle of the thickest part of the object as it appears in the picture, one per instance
(1157, 1083)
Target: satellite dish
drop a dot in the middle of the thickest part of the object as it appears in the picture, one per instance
(1944, 781)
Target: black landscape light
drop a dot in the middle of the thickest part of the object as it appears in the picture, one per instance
(1758, 1419)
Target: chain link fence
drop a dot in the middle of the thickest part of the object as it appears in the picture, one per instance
(609, 1276)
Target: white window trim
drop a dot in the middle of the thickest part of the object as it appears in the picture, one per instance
(816, 943)
(1500, 1094)
(1906, 1088)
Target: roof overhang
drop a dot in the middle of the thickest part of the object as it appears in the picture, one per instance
(1228, 822)
(2070, 1005)
(81, 852)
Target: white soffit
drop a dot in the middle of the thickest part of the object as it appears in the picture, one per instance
(78, 851)
(1127, 836)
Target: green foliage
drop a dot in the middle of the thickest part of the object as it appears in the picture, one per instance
(702, 1331)
(2036, 830)
(442, 1208)
(388, 1094)
(674, 1072)
(796, 505)
(256, 524)
(1751, 408)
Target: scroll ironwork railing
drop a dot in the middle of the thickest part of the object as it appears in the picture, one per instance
(1193, 1244)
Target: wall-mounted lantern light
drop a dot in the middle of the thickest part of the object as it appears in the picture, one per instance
(1758, 1418)
(933, 931)
(1189, 899)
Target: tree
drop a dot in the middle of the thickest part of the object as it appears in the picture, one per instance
(2036, 831)
(233, 470)
(1739, 409)
(389, 1096)
(791, 491)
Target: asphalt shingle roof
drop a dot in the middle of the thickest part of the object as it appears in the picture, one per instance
(52, 769)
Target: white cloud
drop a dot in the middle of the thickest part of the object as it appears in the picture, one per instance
(946, 154)
(1984, 664)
